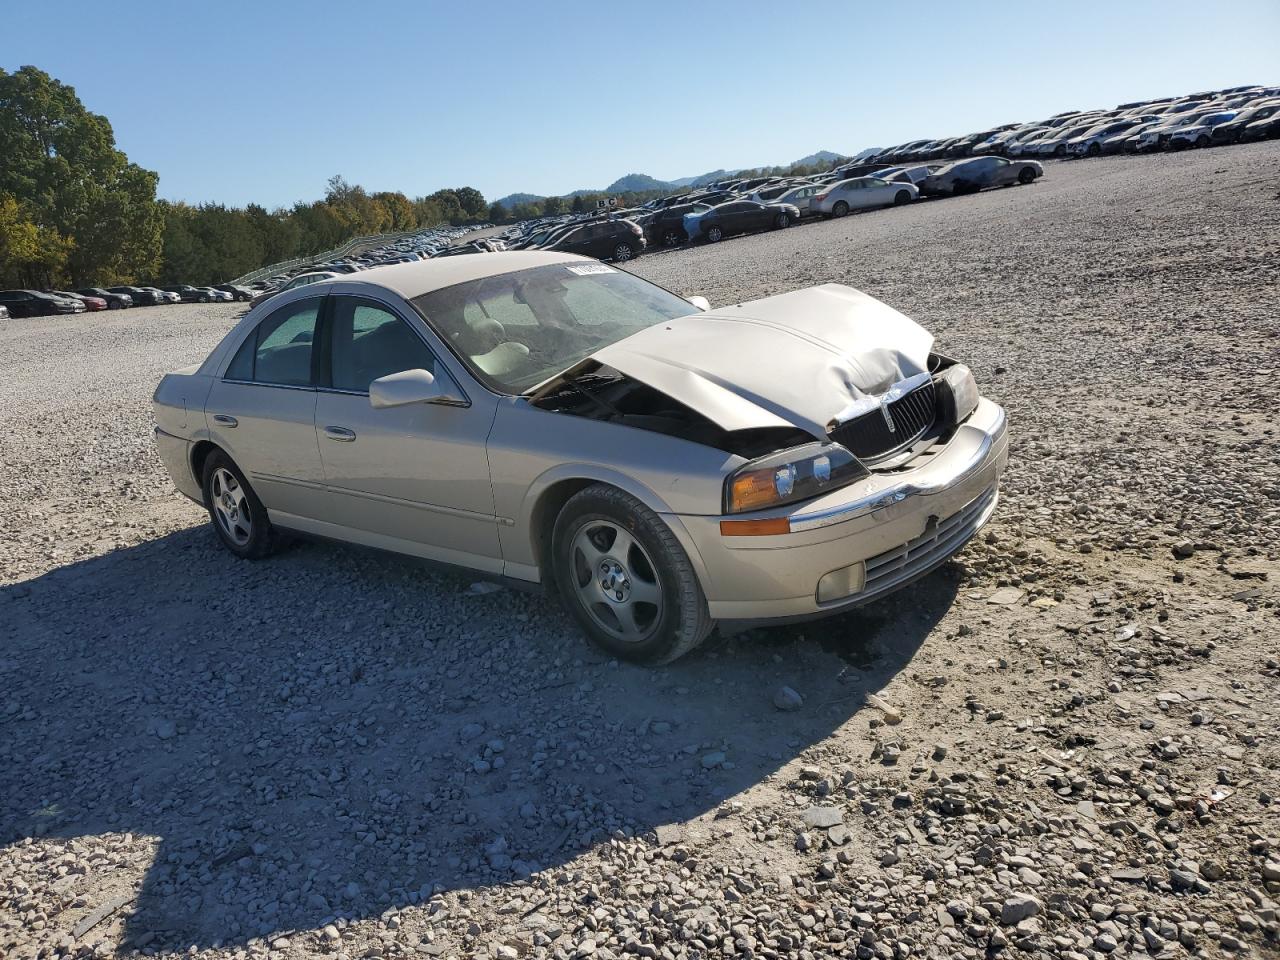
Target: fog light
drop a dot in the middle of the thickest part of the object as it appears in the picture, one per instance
(842, 583)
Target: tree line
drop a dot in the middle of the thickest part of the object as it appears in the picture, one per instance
(74, 211)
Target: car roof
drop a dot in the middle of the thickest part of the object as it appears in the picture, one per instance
(423, 276)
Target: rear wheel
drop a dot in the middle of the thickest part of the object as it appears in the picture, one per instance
(238, 516)
(901, 197)
(626, 579)
(671, 238)
(840, 209)
(622, 252)
(204, 298)
(1026, 175)
(714, 233)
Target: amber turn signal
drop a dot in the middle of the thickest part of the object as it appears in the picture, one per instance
(754, 528)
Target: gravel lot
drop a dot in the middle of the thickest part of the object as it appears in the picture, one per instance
(1062, 743)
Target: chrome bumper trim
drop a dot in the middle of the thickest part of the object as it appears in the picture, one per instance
(896, 494)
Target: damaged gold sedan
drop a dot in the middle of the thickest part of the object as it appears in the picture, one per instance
(546, 418)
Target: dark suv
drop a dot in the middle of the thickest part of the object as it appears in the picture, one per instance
(141, 295)
(188, 293)
(603, 239)
(666, 226)
(237, 293)
(33, 303)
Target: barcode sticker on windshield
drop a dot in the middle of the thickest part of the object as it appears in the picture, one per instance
(587, 269)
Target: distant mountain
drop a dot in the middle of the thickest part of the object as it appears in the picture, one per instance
(635, 183)
(822, 156)
(642, 182)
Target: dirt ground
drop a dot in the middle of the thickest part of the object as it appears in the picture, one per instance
(1064, 742)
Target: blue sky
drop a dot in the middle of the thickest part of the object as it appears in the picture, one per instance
(236, 102)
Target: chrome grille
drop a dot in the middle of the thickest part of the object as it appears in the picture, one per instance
(942, 539)
(870, 437)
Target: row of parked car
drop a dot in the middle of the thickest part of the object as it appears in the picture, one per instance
(433, 242)
(735, 206)
(43, 303)
(1204, 119)
(47, 303)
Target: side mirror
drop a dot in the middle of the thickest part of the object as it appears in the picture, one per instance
(409, 386)
(702, 303)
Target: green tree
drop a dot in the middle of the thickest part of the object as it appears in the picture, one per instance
(472, 203)
(553, 206)
(60, 163)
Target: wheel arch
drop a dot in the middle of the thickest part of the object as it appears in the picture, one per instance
(200, 451)
(548, 494)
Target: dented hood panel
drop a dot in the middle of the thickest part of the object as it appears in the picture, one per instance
(802, 359)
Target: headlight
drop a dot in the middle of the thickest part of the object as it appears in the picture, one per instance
(957, 394)
(790, 476)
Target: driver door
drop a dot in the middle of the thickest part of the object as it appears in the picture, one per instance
(413, 478)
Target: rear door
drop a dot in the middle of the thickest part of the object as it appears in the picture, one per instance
(413, 478)
(262, 410)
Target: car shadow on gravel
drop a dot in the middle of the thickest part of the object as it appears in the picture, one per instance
(335, 733)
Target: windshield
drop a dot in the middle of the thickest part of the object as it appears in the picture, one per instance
(515, 330)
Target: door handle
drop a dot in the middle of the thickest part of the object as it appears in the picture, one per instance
(341, 434)
(225, 420)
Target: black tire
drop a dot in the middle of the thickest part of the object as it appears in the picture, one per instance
(622, 253)
(782, 221)
(901, 197)
(1060, 150)
(715, 233)
(204, 299)
(672, 238)
(1203, 141)
(1095, 148)
(262, 539)
(678, 625)
(1026, 175)
(840, 209)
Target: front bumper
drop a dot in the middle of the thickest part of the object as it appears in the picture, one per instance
(878, 534)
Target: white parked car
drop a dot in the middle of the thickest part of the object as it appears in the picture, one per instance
(861, 193)
(1200, 133)
(801, 197)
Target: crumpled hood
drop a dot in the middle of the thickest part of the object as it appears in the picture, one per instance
(805, 359)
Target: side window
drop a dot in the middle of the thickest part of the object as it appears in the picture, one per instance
(279, 350)
(369, 341)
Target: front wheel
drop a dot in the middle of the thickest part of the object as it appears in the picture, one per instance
(1026, 175)
(204, 299)
(623, 252)
(840, 209)
(626, 579)
(238, 516)
(1202, 141)
(781, 221)
(901, 197)
(714, 233)
(671, 239)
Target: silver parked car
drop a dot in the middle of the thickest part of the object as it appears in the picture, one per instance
(972, 175)
(801, 197)
(861, 193)
(551, 419)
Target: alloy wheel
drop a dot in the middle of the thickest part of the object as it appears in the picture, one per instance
(615, 580)
(622, 252)
(231, 506)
